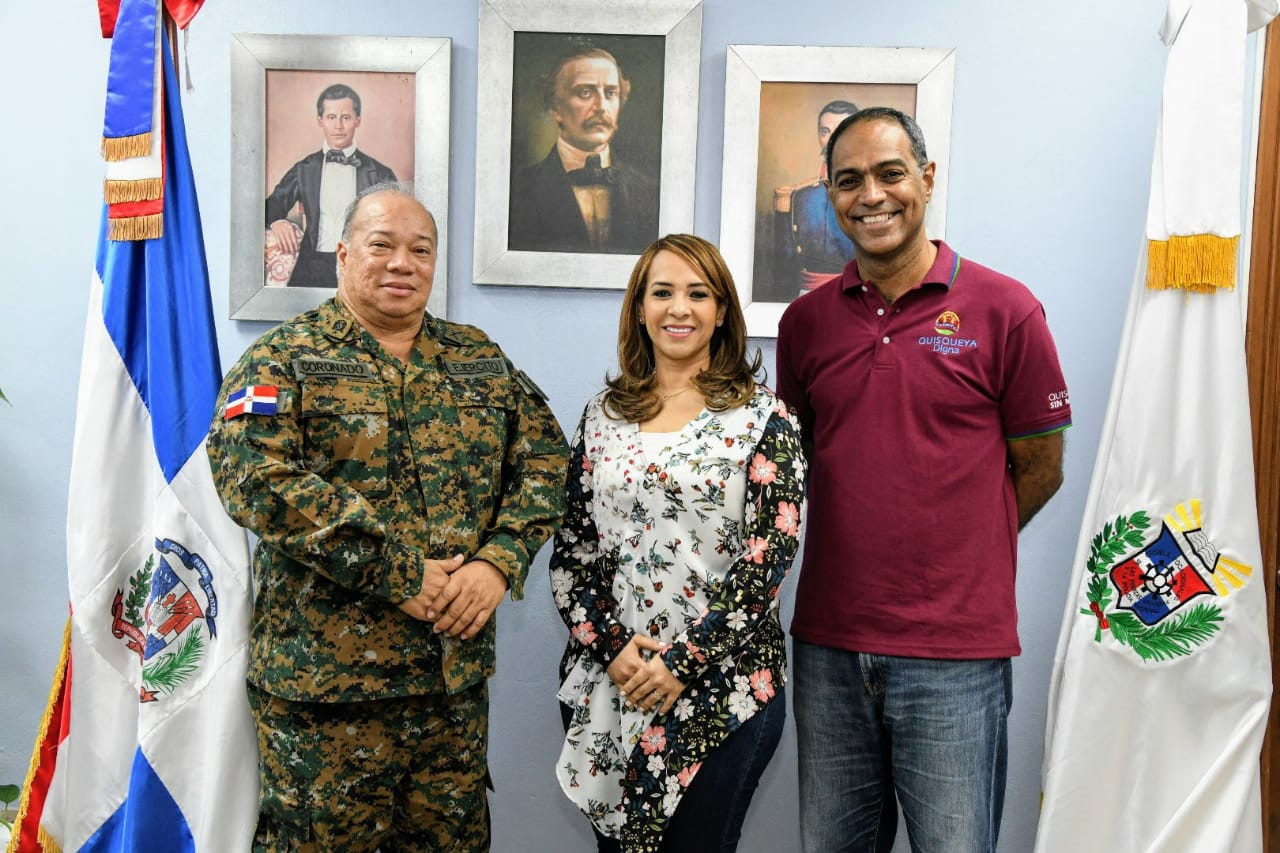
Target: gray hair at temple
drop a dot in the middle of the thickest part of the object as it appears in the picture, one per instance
(906, 122)
(394, 187)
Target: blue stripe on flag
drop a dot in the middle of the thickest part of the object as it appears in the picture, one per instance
(131, 75)
(148, 820)
(157, 308)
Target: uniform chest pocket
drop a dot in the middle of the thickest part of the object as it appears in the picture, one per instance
(345, 425)
(486, 413)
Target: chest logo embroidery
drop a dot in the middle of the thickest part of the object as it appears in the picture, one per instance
(948, 323)
(1144, 600)
(946, 339)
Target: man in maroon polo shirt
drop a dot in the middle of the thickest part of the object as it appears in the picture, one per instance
(932, 405)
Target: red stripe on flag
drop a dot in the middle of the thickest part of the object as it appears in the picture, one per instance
(44, 758)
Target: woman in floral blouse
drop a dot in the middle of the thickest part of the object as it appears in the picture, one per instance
(686, 485)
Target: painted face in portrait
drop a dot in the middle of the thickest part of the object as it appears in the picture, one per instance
(680, 311)
(588, 100)
(878, 190)
(338, 121)
(827, 122)
(388, 264)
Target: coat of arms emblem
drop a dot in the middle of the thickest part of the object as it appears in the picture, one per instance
(1147, 599)
(165, 617)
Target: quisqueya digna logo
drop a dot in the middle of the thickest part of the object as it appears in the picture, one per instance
(165, 615)
(1159, 596)
(948, 323)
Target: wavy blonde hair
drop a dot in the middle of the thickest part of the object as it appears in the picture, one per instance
(728, 381)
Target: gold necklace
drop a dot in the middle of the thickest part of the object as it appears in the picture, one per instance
(662, 398)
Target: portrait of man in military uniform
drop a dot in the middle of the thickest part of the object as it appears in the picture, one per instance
(798, 245)
(586, 142)
(330, 135)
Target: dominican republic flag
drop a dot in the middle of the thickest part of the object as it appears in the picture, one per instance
(1162, 678)
(252, 400)
(148, 744)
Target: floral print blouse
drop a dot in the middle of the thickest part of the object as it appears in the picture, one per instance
(687, 537)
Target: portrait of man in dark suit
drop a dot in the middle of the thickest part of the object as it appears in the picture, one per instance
(584, 195)
(304, 211)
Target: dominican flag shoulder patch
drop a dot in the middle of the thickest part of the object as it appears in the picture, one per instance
(252, 400)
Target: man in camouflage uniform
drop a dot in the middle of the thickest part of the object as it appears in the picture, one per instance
(401, 474)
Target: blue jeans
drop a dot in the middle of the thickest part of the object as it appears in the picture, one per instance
(932, 731)
(710, 814)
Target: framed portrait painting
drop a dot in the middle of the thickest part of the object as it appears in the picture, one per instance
(315, 120)
(777, 230)
(587, 137)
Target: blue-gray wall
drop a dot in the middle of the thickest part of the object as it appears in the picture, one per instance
(1055, 110)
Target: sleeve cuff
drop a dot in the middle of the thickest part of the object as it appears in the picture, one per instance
(503, 551)
(403, 573)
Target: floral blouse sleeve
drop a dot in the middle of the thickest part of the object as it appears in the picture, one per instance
(774, 498)
(580, 577)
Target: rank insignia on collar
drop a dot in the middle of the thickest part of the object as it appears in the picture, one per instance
(252, 400)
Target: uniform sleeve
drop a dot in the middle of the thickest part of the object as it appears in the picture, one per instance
(1034, 400)
(580, 577)
(774, 501)
(258, 469)
(532, 501)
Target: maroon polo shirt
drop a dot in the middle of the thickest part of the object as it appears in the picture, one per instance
(911, 542)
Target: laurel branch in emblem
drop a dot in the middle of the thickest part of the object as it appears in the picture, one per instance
(160, 619)
(1144, 600)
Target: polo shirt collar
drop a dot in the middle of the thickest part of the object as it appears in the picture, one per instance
(946, 265)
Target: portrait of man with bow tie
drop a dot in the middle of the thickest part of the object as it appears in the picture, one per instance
(304, 211)
(585, 195)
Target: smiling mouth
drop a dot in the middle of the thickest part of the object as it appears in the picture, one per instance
(876, 218)
(679, 331)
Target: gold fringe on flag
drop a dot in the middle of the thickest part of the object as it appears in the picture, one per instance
(144, 189)
(42, 734)
(126, 147)
(136, 227)
(1198, 262)
(47, 844)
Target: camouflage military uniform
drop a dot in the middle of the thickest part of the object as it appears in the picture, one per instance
(366, 468)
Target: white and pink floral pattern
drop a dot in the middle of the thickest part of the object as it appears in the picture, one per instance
(687, 537)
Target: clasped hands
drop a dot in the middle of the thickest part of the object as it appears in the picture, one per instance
(458, 597)
(643, 678)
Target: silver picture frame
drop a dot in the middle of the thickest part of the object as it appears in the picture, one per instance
(679, 22)
(253, 55)
(930, 70)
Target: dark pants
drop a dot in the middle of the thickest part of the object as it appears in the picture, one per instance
(711, 812)
(399, 775)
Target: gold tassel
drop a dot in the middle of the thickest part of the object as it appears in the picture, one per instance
(1201, 263)
(136, 227)
(126, 147)
(144, 189)
(59, 676)
(47, 844)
